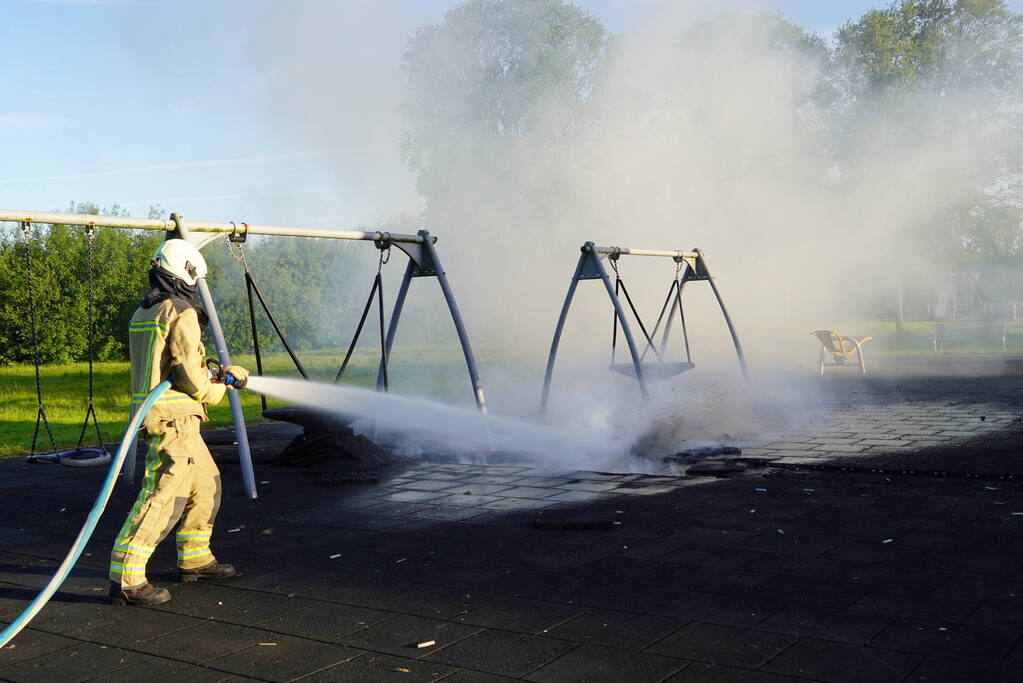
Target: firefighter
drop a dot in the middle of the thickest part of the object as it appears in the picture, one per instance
(181, 480)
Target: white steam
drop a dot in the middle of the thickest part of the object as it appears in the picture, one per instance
(705, 136)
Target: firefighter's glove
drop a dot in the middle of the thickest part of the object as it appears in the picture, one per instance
(240, 374)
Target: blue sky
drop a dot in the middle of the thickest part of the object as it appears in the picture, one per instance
(199, 106)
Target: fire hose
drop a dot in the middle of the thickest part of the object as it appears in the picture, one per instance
(217, 373)
(21, 621)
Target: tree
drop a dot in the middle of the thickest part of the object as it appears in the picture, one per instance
(495, 77)
(941, 78)
(60, 281)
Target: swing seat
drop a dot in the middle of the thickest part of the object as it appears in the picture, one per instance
(653, 370)
(76, 457)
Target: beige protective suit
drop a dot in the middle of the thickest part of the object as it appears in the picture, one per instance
(181, 480)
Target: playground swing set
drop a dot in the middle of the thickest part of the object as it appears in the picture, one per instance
(423, 261)
(690, 266)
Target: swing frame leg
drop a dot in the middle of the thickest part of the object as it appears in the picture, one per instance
(413, 270)
(237, 416)
(590, 267)
(728, 318)
(456, 318)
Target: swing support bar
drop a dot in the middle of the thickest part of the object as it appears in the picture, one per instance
(171, 225)
(591, 267)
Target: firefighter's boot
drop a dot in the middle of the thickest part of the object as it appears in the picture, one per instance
(145, 595)
(208, 573)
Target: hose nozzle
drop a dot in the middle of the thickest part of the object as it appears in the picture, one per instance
(219, 375)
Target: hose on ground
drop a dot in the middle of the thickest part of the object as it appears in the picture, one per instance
(22, 620)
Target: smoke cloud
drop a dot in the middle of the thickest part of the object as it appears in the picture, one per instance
(707, 127)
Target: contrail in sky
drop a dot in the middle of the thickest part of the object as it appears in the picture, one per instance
(247, 195)
(173, 166)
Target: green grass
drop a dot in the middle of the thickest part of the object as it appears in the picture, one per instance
(65, 391)
(917, 336)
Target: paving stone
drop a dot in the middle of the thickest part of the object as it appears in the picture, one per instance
(944, 670)
(438, 602)
(728, 610)
(372, 666)
(247, 608)
(414, 496)
(808, 567)
(522, 615)
(66, 613)
(467, 676)
(425, 484)
(592, 486)
(699, 672)
(998, 614)
(453, 513)
(156, 669)
(985, 585)
(595, 664)
(831, 624)
(462, 500)
(822, 660)
(799, 590)
(326, 621)
(401, 634)
(474, 489)
(202, 643)
(616, 629)
(722, 645)
(529, 492)
(32, 643)
(127, 627)
(947, 639)
(75, 663)
(924, 604)
(519, 504)
(288, 658)
(723, 558)
(502, 653)
(881, 574)
(575, 496)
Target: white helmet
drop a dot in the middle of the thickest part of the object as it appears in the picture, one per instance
(181, 259)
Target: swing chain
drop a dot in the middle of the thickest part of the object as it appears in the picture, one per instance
(384, 245)
(679, 262)
(238, 256)
(26, 231)
(90, 234)
(612, 258)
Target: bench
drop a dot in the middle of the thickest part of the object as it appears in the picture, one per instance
(957, 331)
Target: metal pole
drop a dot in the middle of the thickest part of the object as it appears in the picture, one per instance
(392, 327)
(184, 227)
(728, 319)
(456, 318)
(237, 416)
(620, 312)
(645, 252)
(255, 333)
(557, 334)
(676, 305)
